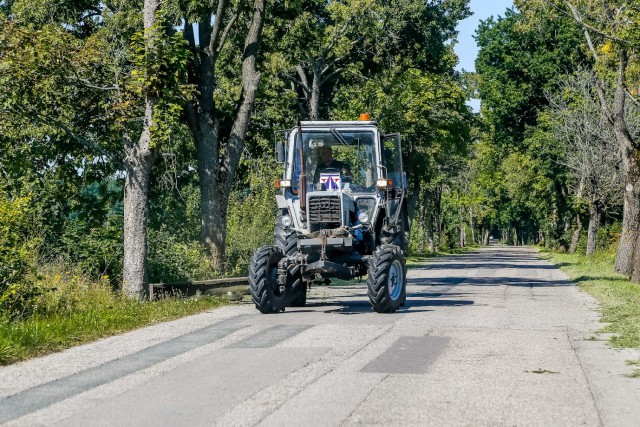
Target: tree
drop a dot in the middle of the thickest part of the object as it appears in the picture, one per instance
(590, 151)
(76, 93)
(610, 34)
(321, 40)
(517, 64)
(139, 157)
(220, 136)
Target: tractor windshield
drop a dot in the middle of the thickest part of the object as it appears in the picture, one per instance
(337, 159)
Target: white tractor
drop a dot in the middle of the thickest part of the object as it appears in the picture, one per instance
(342, 213)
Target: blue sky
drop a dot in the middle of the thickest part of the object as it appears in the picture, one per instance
(466, 48)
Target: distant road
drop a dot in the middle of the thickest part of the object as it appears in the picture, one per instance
(493, 337)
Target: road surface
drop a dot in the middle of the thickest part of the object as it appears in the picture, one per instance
(493, 337)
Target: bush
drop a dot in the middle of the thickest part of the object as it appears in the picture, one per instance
(56, 289)
(171, 260)
(607, 239)
(16, 255)
(251, 219)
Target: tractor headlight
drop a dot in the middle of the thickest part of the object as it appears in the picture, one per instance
(363, 217)
(286, 221)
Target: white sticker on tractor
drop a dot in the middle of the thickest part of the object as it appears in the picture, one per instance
(331, 181)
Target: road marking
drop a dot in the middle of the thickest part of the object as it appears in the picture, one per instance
(44, 395)
(270, 337)
(408, 355)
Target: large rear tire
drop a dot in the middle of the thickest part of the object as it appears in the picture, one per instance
(263, 281)
(387, 279)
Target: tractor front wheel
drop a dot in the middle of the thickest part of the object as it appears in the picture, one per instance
(387, 279)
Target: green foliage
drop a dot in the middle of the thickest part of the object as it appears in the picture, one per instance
(159, 71)
(251, 216)
(606, 241)
(73, 77)
(518, 166)
(15, 253)
(174, 260)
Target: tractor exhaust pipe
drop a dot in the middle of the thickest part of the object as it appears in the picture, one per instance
(303, 172)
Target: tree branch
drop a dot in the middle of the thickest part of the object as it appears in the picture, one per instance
(217, 25)
(87, 83)
(329, 76)
(303, 78)
(585, 26)
(79, 139)
(227, 29)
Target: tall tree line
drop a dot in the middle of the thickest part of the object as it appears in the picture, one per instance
(559, 140)
(133, 130)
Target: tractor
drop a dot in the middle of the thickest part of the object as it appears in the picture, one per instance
(342, 214)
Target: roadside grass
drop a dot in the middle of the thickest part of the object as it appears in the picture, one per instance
(619, 298)
(42, 334)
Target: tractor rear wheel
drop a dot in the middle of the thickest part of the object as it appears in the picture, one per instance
(263, 281)
(387, 279)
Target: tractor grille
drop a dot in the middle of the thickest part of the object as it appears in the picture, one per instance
(324, 209)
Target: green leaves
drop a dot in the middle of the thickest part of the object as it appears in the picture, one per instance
(159, 71)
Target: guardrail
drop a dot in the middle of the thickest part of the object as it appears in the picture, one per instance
(197, 287)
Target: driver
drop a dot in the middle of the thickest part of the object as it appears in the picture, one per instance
(327, 161)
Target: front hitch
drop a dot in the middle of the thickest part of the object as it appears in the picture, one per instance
(332, 269)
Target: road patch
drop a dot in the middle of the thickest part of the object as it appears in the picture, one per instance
(408, 355)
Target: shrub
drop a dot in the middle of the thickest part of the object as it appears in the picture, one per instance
(172, 260)
(250, 220)
(15, 251)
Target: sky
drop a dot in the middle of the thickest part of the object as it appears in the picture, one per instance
(466, 48)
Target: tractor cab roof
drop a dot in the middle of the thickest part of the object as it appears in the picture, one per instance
(328, 123)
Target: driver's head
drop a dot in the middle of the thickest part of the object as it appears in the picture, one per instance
(326, 154)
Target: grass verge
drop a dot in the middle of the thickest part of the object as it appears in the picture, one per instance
(619, 298)
(39, 335)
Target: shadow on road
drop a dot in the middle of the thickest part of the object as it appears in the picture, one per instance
(490, 281)
(426, 292)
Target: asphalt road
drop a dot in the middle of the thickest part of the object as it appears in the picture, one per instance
(494, 337)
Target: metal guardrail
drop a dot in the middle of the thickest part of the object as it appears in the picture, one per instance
(197, 287)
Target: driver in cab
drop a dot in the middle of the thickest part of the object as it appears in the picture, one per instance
(328, 162)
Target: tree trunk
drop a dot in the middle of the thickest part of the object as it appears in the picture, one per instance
(472, 225)
(218, 157)
(423, 223)
(594, 223)
(314, 99)
(626, 263)
(207, 145)
(235, 146)
(437, 207)
(575, 238)
(138, 161)
(430, 237)
(136, 212)
(626, 257)
(486, 237)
